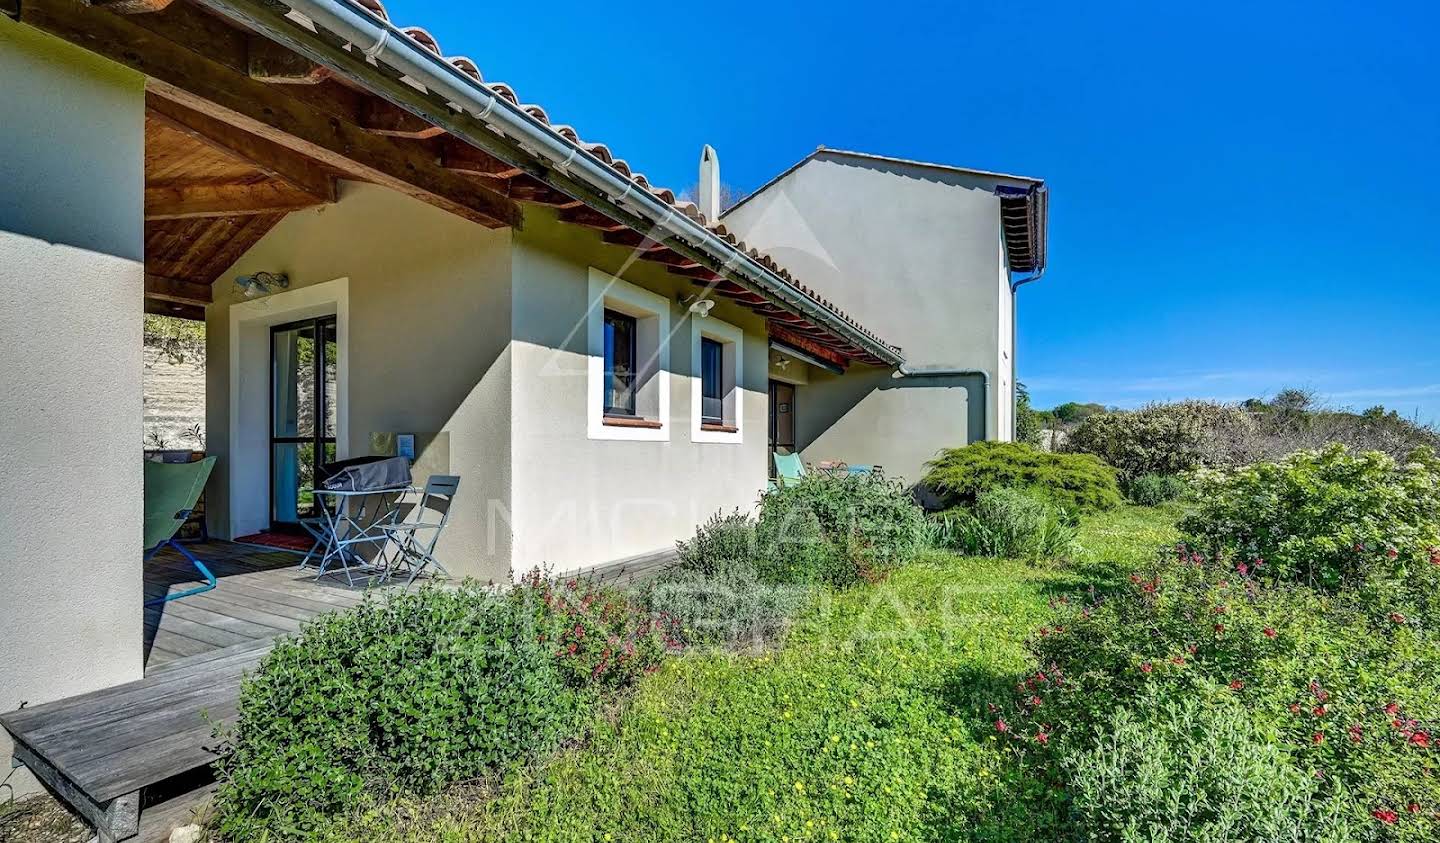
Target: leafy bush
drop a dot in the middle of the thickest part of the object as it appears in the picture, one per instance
(1155, 489)
(1009, 523)
(719, 544)
(411, 694)
(1164, 438)
(836, 530)
(600, 635)
(1077, 482)
(1325, 517)
(1192, 770)
(1344, 685)
(730, 607)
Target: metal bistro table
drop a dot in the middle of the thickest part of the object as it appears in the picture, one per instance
(347, 521)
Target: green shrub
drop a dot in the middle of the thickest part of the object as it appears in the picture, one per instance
(731, 607)
(1197, 770)
(1343, 684)
(1078, 482)
(1164, 438)
(836, 530)
(1155, 489)
(601, 637)
(408, 695)
(719, 544)
(1011, 524)
(1324, 517)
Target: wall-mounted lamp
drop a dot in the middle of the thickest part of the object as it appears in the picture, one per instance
(701, 307)
(261, 284)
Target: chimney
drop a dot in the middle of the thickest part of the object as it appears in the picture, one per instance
(709, 190)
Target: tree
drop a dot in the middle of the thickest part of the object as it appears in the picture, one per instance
(1027, 421)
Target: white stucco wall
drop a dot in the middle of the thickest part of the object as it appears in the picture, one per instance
(71, 302)
(912, 252)
(580, 501)
(425, 298)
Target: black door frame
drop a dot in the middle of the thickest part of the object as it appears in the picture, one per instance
(770, 451)
(317, 438)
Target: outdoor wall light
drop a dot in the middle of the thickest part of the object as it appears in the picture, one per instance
(261, 283)
(698, 306)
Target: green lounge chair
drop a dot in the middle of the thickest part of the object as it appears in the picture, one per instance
(788, 468)
(171, 490)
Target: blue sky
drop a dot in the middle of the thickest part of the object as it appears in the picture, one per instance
(1243, 198)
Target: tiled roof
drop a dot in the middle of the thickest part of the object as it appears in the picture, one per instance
(604, 154)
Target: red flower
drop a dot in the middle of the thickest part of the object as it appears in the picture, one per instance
(1269, 632)
(1242, 568)
(1237, 685)
(1001, 725)
(1391, 708)
(1320, 710)
(1413, 807)
(1219, 629)
(1179, 660)
(1317, 738)
(1435, 556)
(1146, 667)
(1219, 610)
(1397, 618)
(1421, 739)
(1135, 578)
(1035, 702)
(1320, 693)
(1385, 815)
(1392, 553)
(1042, 736)
(1357, 733)
(1294, 708)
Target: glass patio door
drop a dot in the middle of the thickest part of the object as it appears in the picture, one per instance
(303, 413)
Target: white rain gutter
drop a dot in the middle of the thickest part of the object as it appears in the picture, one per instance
(385, 43)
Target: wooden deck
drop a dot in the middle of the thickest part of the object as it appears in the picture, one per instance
(262, 594)
(110, 752)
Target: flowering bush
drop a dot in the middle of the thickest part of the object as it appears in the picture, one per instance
(1326, 518)
(1344, 684)
(600, 635)
(1077, 482)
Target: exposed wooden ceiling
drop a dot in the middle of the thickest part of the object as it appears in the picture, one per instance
(240, 131)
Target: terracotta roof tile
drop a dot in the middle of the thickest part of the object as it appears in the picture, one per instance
(606, 156)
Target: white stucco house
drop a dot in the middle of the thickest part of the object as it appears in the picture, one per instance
(603, 364)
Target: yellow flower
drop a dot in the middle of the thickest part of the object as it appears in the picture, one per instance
(849, 780)
(799, 786)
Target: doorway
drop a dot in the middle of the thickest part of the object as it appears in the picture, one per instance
(303, 413)
(782, 421)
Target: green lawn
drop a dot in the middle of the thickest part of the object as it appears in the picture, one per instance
(870, 724)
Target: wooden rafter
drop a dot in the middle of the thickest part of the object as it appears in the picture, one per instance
(383, 117)
(270, 62)
(633, 239)
(461, 157)
(528, 189)
(188, 73)
(270, 158)
(132, 7)
(590, 218)
(809, 346)
(176, 290)
(200, 199)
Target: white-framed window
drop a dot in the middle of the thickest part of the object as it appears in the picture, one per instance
(717, 356)
(628, 395)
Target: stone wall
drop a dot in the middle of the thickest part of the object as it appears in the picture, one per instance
(174, 401)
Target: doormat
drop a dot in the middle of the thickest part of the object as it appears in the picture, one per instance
(284, 541)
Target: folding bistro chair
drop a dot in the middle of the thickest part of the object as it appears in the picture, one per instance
(171, 490)
(412, 541)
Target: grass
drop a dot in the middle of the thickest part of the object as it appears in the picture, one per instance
(870, 724)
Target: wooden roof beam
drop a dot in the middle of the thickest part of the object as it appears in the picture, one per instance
(461, 157)
(228, 199)
(177, 290)
(383, 117)
(528, 189)
(270, 62)
(132, 7)
(590, 219)
(272, 159)
(184, 72)
(633, 239)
